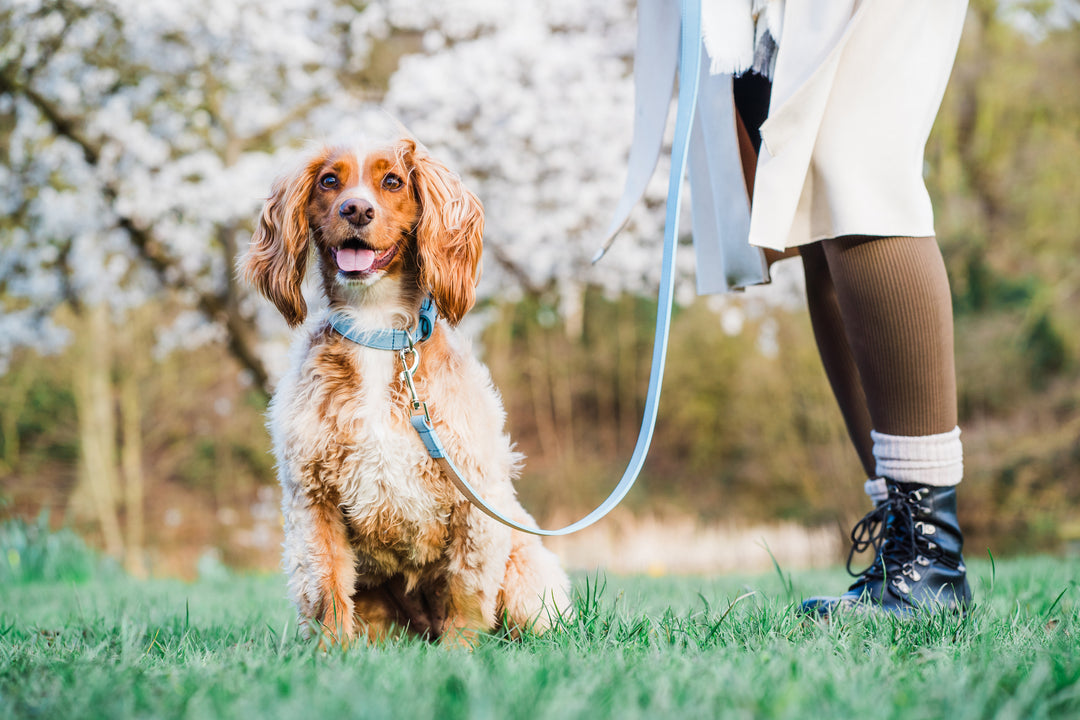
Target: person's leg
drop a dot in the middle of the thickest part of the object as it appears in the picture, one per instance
(835, 352)
(894, 296)
(894, 300)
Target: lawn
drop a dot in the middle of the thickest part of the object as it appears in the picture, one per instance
(106, 645)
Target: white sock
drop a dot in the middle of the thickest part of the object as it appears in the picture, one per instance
(936, 460)
(877, 490)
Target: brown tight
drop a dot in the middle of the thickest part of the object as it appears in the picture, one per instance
(882, 317)
(881, 312)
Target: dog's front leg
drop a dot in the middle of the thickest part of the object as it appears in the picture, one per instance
(320, 563)
(535, 592)
(471, 614)
(477, 562)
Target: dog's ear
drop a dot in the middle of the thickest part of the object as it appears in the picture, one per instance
(276, 260)
(449, 234)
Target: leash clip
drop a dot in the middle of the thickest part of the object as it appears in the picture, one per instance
(406, 375)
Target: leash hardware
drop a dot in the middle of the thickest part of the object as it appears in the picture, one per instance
(406, 375)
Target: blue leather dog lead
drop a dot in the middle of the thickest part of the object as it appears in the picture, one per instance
(689, 78)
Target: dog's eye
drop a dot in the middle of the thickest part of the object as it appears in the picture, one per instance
(328, 181)
(392, 182)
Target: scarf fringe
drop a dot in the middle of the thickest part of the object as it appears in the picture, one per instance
(742, 35)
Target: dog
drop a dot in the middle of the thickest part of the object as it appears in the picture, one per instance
(377, 539)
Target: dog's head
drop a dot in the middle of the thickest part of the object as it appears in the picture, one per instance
(393, 212)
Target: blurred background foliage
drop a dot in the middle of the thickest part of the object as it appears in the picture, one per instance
(748, 431)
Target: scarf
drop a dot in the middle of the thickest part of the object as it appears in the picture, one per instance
(742, 35)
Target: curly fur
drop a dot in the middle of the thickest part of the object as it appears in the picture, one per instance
(376, 538)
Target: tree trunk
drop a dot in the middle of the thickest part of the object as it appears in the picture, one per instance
(626, 371)
(99, 481)
(559, 357)
(540, 387)
(17, 384)
(131, 462)
(603, 372)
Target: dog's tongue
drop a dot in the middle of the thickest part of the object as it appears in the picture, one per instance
(350, 260)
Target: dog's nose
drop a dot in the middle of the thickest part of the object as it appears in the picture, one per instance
(356, 211)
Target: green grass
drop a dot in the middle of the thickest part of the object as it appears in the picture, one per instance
(114, 647)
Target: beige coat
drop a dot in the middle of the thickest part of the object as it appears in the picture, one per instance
(855, 93)
(856, 87)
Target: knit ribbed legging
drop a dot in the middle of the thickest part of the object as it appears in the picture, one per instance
(882, 317)
(881, 312)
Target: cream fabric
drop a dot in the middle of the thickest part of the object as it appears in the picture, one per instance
(856, 87)
(855, 92)
(741, 34)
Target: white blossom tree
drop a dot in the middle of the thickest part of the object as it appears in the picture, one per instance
(533, 103)
(141, 137)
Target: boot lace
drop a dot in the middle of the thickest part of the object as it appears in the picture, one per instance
(893, 530)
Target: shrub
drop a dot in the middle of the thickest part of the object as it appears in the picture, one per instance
(31, 552)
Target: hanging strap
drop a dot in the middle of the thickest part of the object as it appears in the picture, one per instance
(689, 76)
(656, 59)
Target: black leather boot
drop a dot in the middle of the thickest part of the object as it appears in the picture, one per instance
(918, 563)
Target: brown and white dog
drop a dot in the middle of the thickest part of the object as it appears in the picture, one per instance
(375, 536)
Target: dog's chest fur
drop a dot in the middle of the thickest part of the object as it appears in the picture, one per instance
(349, 423)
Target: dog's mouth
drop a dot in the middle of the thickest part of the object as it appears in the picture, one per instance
(354, 259)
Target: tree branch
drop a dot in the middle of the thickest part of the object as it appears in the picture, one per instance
(219, 307)
(513, 268)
